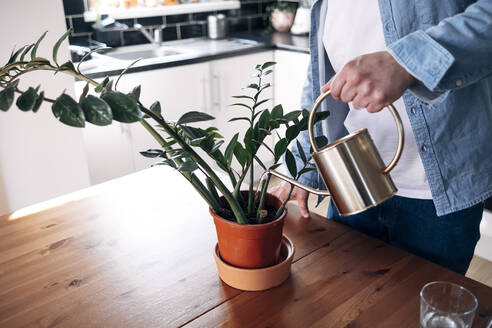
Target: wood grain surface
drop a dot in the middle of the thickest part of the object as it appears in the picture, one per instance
(137, 252)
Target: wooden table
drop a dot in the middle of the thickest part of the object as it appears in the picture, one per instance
(137, 252)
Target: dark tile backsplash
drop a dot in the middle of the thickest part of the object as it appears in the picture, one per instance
(250, 16)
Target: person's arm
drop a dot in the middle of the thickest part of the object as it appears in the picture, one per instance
(453, 54)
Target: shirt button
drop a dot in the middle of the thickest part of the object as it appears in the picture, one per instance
(423, 148)
(387, 27)
(459, 83)
(413, 110)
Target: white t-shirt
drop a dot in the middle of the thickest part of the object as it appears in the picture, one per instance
(354, 28)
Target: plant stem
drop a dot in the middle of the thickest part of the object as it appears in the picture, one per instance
(233, 203)
(191, 177)
(213, 190)
(262, 197)
(281, 208)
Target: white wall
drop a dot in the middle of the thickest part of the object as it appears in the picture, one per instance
(40, 158)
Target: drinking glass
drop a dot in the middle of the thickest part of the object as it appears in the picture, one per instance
(444, 304)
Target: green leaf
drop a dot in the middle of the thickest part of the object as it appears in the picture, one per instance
(216, 146)
(291, 116)
(96, 111)
(85, 91)
(277, 112)
(15, 54)
(270, 71)
(124, 108)
(193, 133)
(239, 104)
(156, 108)
(267, 64)
(230, 150)
(319, 116)
(166, 162)
(305, 170)
(263, 121)
(68, 66)
(193, 116)
(301, 151)
(239, 119)
(100, 87)
(58, 43)
(259, 103)
(38, 102)
(27, 100)
(188, 166)
(243, 97)
(248, 141)
(135, 94)
(152, 153)
(252, 86)
(321, 141)
(35, 48)
(26, 50)
(291, 163)
(7, 96)
(280, 147)
(240, 154)
(292, 132)
(68, 111)
(196, 142)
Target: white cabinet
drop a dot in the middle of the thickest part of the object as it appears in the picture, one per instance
(113, 151)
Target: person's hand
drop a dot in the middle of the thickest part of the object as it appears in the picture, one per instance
(370, 81)
(298, 194)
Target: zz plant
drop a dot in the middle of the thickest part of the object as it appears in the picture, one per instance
(179, 140)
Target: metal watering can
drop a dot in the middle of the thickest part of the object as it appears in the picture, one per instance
(351, 168)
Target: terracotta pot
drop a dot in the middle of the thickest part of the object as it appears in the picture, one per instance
(250, 245)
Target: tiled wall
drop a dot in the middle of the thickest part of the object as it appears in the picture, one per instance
(249, 17)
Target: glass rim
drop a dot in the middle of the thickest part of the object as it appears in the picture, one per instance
(422, 298)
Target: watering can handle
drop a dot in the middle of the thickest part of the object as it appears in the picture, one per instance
(391, 108)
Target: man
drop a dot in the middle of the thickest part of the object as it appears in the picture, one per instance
(433, 61)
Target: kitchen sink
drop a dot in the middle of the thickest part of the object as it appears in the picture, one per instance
(114, 60)
(143, 51)
(181, 47)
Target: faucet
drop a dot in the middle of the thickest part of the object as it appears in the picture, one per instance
(157, 39)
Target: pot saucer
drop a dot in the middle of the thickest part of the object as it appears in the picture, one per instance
(261, 278)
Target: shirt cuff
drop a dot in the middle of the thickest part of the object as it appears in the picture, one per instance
(423, 57)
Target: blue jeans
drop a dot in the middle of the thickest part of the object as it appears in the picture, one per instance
(412, 225)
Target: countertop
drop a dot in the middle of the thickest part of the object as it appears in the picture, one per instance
(138, 252)
(252, 42)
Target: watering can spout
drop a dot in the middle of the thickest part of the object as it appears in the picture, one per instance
(295, 183)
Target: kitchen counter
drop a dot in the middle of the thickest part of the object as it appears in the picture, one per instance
(137, 252)
(191, 51)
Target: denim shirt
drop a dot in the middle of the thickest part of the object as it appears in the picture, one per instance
(447, 46)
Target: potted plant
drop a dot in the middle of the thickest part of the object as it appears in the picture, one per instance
(282, 15)
(248, 222)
